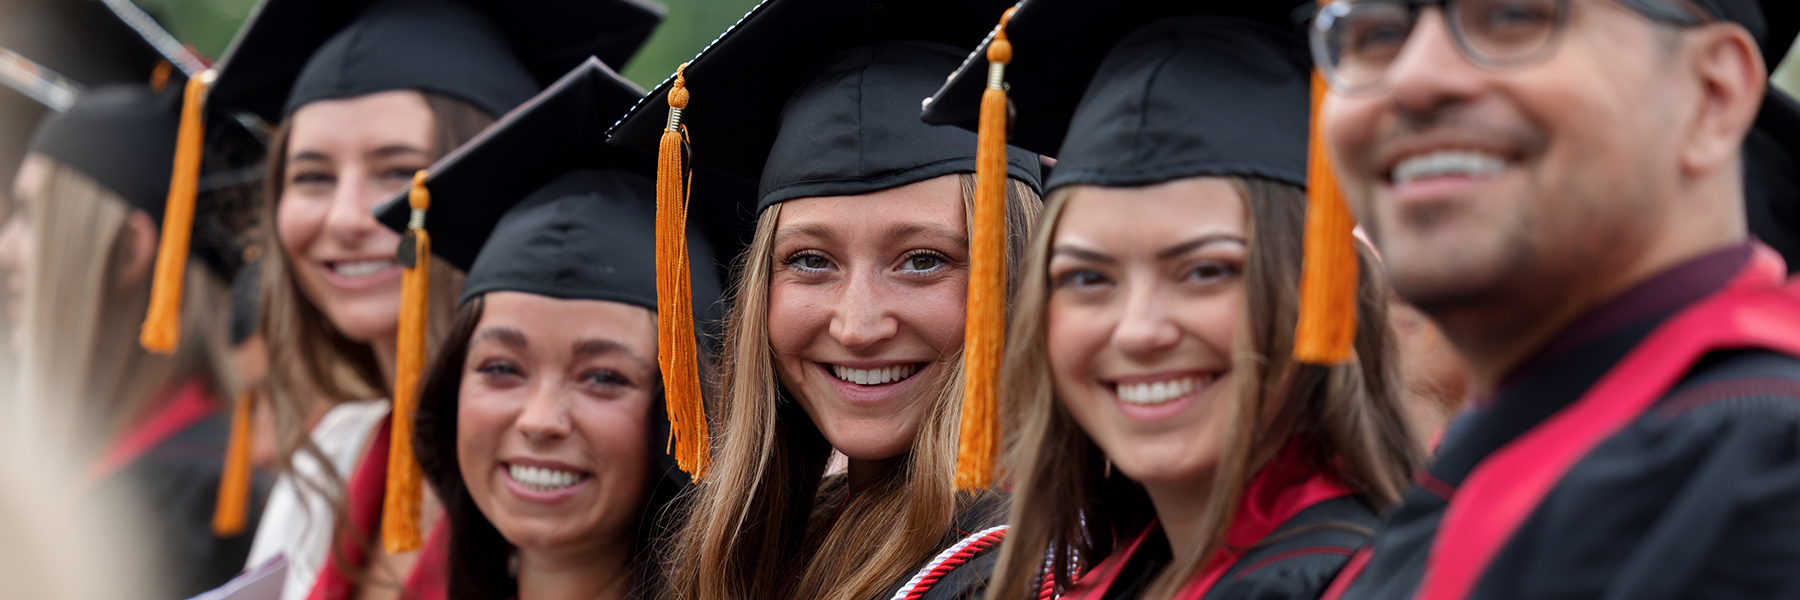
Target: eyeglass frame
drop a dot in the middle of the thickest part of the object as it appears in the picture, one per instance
(1655, 11)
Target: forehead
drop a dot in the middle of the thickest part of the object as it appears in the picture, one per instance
(399, 117)
(1152, 215)
(559, 323)
(933, 206)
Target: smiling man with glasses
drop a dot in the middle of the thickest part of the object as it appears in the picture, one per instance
(1560, 185)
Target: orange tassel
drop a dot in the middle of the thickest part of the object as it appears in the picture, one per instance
(400, 507)
(233, 506)
(162, 324)
(676, 346)
(1327, 325)
(985, 329)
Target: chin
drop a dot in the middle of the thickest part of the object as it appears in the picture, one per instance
(870, 440)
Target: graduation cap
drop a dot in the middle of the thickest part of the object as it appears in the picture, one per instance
(539, 203)
(1145, 92)
(817, 98)
(489, 53)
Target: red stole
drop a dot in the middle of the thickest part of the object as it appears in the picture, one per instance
(1754, 310)
(1280, 491)
(189, 405)
(363, 499)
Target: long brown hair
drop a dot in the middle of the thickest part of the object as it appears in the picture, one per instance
(310, 361)
(1071, 507)
(761, 525)
(85, 376)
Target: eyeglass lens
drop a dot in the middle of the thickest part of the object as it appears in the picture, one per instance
(1359, 39)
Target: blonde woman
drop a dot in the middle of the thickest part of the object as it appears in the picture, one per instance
(1167, 445)
(845, 330)
(77, 251)
(386, 88)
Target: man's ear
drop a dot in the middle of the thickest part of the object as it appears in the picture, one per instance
(138, 239)
(1733, 79)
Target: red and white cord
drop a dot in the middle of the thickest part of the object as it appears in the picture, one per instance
(955, 556)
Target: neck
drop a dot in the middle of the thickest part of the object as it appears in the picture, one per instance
(862, 472)
(1499, 332)
(601, 573)
(1181, 508)
(387, 351)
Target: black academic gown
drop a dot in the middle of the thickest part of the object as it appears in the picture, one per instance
(174, 482)
(1698, 497)
(968, 579)
(1311, 549)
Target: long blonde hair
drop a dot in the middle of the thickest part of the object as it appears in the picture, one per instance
(760, 524)
(84, 375)
(1070, 506)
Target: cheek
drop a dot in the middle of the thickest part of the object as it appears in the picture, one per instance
(1075, 333)
(616, 430)
(938, 313)
(298, 221)
(1214, 319)
(797, 314)
(482, 420)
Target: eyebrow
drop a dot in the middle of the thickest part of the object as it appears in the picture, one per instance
(388, 151)
(1092, 255)
(504, 335)
(596, 347)
(895, 232)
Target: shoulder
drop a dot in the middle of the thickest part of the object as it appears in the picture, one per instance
(1300, 559)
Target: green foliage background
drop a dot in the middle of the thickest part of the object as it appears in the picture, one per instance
(210, 24)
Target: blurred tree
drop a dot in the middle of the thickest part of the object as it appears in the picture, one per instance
(208, 25)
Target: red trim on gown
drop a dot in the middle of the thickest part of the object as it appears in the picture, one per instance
(367, 487)
(1282, 490)
(189, 404)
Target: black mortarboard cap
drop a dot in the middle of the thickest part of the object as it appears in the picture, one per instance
(1149, 91)
(529, 158)
(490, 53)
(820, 97)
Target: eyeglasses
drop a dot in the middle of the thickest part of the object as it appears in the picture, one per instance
(1355, 41)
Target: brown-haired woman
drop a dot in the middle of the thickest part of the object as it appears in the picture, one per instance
(1168, 446)
(389, 86)
(845, 330)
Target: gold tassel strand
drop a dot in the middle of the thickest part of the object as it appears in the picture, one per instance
(162, 324)
(676, 347)
(232, 509)
(1327, 326)
(986, 325)
(400, 506)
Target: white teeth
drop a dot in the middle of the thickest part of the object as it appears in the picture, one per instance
(874, 376)
(361, 268)
(1161, 391)
(542, 479)
(1447, 163)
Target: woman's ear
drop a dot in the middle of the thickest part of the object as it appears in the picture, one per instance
(138, 241)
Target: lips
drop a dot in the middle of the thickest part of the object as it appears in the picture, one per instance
(1152, 393)
(352, 269)
(544, 479)
(875, 376)
(1446, 163)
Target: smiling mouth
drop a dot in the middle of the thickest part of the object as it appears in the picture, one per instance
(1150, 393)
(874, 377)
(350, 269)
(1447, 163)
(544, 479)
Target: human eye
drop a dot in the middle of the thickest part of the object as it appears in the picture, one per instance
(1080, 279)
(498, 370)
(311, 178)
(807, 262)
(924, 261)
(605, 378)
(1210, 272)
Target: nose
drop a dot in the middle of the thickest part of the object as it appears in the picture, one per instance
(863, 316)
(1431, 71)
(351, 217)
(1145, 330)
(545, 415)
